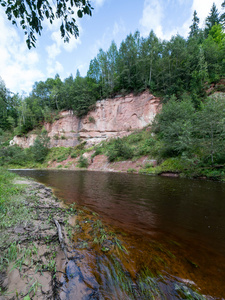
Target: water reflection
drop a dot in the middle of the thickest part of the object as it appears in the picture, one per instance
(185, 217)
(190, 209)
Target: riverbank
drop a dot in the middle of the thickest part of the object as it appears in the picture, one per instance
(98, 260)
(133, 154)
(39, 248)
(30, 248)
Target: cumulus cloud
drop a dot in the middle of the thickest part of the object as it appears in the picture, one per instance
(56, 48)
(152, 18)
(18, 65)
(54, 68)
(154, 13)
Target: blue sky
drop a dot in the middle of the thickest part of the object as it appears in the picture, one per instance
(111, 20)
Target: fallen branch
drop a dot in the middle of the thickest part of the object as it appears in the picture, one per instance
(61, 238)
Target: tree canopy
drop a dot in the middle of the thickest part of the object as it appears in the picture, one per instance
(30, 16)
(167, 68)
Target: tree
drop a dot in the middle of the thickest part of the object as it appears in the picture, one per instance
(218, 35)
(112, 56)
(212, 19)
(210, 129)
(195, 26)
(174, 124)
(213, 57)
(222, 17)
(31, 15)
(40, 147)
(200, 74)
(8, 107)
(148, 58)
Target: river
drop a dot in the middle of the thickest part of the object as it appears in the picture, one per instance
(184, 216)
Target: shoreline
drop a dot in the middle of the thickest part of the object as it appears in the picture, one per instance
(30, 273)
(39, 259)
(40, 269)
(170, 174)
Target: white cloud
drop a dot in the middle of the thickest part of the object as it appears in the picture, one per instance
(57, 48)
(152, 18)
(54, 68)
(53, 51)
(154, 13)
(118, 28)
(18, 66)
(98, 2)
(116, 34)
(203, 8)
(58, 44)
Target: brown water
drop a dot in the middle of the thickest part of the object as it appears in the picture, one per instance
(178, 222)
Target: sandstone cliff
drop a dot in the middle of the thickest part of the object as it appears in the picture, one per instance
(115, 117)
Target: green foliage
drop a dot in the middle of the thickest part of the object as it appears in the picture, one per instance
(212, 19)
(40, 147)
(165, 67)
(196, 135)
(210, 123)
(58, 154)
(14, 155)
(174, 124)
(32, 15)
(10, 201)
(119, 149)
(82, 162)
(174, 164)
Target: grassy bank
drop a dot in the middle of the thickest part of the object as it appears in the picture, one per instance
(130, 148)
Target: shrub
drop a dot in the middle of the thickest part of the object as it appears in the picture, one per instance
(98, 151)
(56, 137)
(82, 162)
(91, 119)
(40, 147)
(131, 170)
(14, 155)
(62, 157)
(119, 149)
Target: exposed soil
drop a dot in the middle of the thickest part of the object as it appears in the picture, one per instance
(100, 163)
(39, 258)
(42, 261)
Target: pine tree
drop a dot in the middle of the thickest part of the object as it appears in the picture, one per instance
(222, 17)
(212, 19)
(195, 26)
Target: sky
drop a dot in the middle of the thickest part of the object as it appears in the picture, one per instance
(111, 20)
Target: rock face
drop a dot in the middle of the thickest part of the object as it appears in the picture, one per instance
(116, 117)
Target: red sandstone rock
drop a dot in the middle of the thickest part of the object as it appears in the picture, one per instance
(116, 117)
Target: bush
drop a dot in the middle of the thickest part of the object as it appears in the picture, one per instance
(119, 149)
(14, 155)
(82, 162)
(98, 151)
(91, 119)
(40, 147)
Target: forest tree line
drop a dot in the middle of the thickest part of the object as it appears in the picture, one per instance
(175, 67)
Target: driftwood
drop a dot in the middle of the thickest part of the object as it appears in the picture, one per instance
(61, 238)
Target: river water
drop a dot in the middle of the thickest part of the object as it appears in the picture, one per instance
(185, 216)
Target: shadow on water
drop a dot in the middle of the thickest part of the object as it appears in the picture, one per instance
(173, 229)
